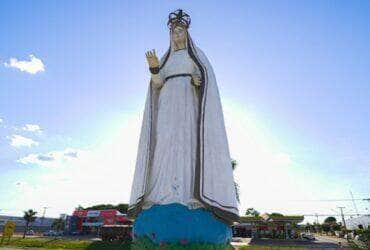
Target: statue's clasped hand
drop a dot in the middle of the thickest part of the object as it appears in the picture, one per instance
(153, 61)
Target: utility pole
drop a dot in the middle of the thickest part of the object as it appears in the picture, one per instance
(343, 220)
(43, 215)
(317, 227)
(354, 203)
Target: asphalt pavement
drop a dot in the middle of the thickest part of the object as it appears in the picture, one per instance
(321, 242)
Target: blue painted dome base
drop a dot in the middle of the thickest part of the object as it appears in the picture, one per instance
(175, 223)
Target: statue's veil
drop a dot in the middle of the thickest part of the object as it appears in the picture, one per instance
(213, 185)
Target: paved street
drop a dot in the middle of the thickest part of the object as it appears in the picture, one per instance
(333, 240)
(321, 242)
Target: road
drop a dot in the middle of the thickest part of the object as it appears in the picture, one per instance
(332, 239)
(321, 242)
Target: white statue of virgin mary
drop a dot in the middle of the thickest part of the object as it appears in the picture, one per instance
(183, 160)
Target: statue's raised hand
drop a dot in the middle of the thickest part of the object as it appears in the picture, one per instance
(196, 80)
(152, 59)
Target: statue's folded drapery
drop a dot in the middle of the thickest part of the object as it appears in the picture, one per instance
(203, 170)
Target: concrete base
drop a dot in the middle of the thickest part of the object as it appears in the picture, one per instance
(175, 223)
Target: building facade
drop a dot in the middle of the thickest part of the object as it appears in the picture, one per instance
(90, 221)
(41, 224)
(268, 226)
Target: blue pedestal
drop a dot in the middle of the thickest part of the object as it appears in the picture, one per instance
(175, 223)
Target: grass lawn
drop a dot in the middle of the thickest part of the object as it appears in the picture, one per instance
(269, 248)
(49, 243)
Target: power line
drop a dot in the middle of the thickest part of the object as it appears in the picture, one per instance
(319, 200)
(327, 215)
(331, 200)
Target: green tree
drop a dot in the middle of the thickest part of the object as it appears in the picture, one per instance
(234, 163)
(325, 227)
(252, 212)
(308, 227)
(335, 227)
(122, 207)
(330, 220)
(58, 224)
(277, 214)
(29, 216)
(365, 234)
(101, 207)
(79, 207)
(317, 227)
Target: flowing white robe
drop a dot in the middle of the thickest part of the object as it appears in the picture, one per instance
(166, 170)
(173, 170)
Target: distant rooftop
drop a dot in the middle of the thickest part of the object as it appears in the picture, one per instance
(46, 221)
(270, 218)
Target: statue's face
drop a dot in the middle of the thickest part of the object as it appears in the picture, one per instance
(179, 34)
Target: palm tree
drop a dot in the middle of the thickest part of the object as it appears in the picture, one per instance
(79, 207)
(29, 216)
(234, 163)
(252, 212)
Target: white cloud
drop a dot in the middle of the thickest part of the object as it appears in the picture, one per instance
(1, 120)
(32, 128)
(21, 141)
(53, 158)
(20, 184)
(101, 174)
(33, 66)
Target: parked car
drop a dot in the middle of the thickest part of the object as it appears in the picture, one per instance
(307, 236)
(75, 233)
(30, 232)
(59, 233)
(53, 233)
(49, 233)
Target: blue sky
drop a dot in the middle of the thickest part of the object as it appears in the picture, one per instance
(293, 76)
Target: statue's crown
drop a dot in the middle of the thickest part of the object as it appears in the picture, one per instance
(178, 17)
